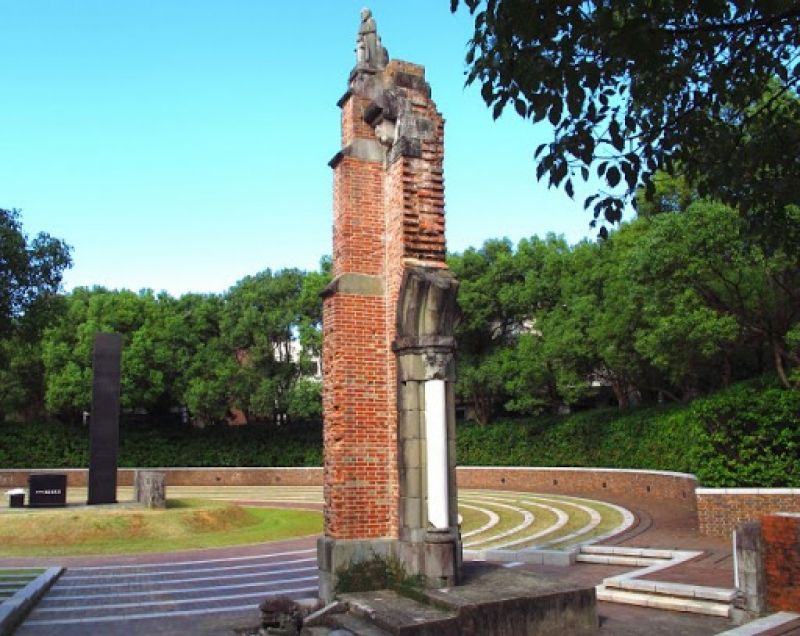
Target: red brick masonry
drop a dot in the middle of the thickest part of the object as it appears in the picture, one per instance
(589, 482)
(781, 537)
(388, 214)
(720, 509)
(76, 477)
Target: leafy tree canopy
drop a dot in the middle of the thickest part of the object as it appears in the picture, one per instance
(30, 270)
(707, 89)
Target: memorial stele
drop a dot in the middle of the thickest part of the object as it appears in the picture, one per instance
(388, 321)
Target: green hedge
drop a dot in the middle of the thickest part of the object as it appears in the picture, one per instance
(748, 435)
(63, 446)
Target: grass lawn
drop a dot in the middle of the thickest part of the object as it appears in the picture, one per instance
(185, 524)
(471, 519)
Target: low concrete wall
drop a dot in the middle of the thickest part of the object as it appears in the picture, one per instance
(719, 510)
(77, 477)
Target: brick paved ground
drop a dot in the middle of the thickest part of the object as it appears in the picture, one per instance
(657, 527)
(626, 620)
(671, 528)
(212, 592)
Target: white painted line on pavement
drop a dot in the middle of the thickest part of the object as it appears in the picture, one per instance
(168, 563)
(227, 577)
(50, 599)
(162, 573)
(130, 617)
(202, 599)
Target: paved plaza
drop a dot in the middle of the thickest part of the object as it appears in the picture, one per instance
(217, 591)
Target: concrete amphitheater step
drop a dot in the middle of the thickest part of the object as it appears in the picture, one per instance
(632, 590)
(612, 555)
(632, 552)
(610, 559)
(677, 590)
(664, 601)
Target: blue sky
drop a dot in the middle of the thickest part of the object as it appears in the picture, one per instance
(183, 144)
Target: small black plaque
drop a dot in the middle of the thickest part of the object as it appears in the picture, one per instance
(47, 490)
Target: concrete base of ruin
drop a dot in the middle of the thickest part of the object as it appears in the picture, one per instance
(437, 558)
(490, 601)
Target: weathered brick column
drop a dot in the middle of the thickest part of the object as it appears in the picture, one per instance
(388, 326)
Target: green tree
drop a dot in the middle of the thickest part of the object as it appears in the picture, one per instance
(590, 334)
(721, 286)
(305, 400)
(309, 329)
(534, 381)
(486, 324)
(259, 324)
(632, 87)
(67, 347)
(505, 294)
(31, 272)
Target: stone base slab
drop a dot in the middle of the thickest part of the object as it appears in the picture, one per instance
(492, 601)
(438, 558)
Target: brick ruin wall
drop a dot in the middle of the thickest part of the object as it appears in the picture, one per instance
(780, 536)
(719, 510)
(388, 213)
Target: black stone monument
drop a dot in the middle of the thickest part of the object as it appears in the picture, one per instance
(104, 425)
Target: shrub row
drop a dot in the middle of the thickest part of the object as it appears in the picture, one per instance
(747, 435)
(62, 446)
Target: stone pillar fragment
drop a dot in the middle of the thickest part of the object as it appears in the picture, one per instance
(427, 315)
(749, 556)
(150, 488)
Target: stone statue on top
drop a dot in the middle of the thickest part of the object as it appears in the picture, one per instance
(369, 49)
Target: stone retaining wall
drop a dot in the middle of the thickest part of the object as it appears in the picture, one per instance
(570, 481)
(77, 477)
(720, 509)
(649, 485)
(654, 485)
